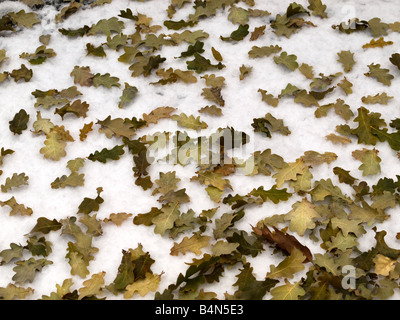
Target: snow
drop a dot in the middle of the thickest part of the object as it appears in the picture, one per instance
(314, 46)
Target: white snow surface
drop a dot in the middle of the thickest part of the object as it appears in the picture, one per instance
(315, 46)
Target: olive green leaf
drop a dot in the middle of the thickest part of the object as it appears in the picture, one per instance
(12, 292)
(39, 56)
(24, 19)
(16, 208)
(346, 58)
(288, 267)
(395, 59)
(193, 244)
(377, 27)
(381, 98)
(239, 34)
(25, 270)
(317, 8)
(78, 108)
(89, 205)
(105, 154)
(95, 51)
(259, 52)
(44, 226)
(22, 73)
(382, 75)
(288, 291)
(107, 26)
(370, 161)
(189, 122)
(201, 64)
(289, 61)
(105, 80)
(15, 181)
(73, 180)
(128, 94)
(19, 122)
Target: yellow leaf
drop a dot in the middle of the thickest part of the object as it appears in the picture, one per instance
(383, 265)
(193, 244)
(302, 217)
(143, 286)
(93, 286)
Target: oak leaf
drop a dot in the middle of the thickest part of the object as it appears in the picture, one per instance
(22, 73)
(12, 292)
(16, 208)
(395, 59)
(87, 127)
(288, 291)
(24, 19)
(143, 286)
(105, 154)
(346, 58)
(118, 218)
(377, 43)
(289, 61)
(118, 127)
(78, 108)
(25, 270)
(15, 181)
(370, 161)
(382, 75)
(165, 220)
(288, 267)
(193, 244)
(286, 242)
(189, 122)
(105, 80)
(73, 180)
(107, 26)
(82, 76)
(302, 217)
(239, 34)
(92, 286)
(44, 226)
(19, 122)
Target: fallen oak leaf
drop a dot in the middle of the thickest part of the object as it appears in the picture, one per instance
(377, 43)
(157, 114)
(87, 127)
(73, 180)
(25, 270)
(128, 94)
(22, 73)
(189, 122)
(12, 292)
(19, 122)
(381, 98)
(15, 181)
(283, 241)
(92, 286)
(105, 154)
(239, 34)
(78, 108)
(193, 244)
(118, 218)
(395, 59)
(143, 286)
(382, 75)
(82, 76)
(16, 208)
(24, 19)
(289, 61)
(118, 127)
